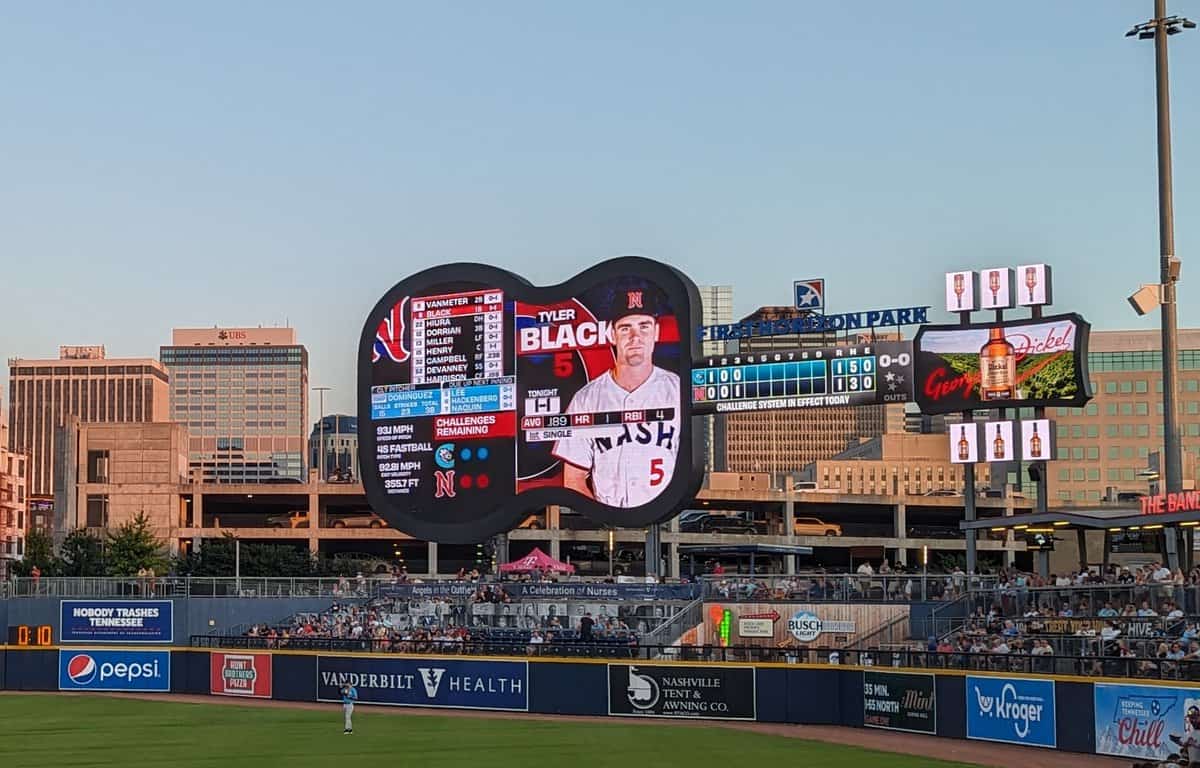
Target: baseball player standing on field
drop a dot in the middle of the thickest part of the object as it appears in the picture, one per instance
(631, 467)
(349, 696)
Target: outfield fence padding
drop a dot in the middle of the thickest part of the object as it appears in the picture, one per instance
(1041, 711)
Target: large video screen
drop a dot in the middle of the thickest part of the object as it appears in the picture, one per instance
(482, 396)
(1024, 363)
(860, 374)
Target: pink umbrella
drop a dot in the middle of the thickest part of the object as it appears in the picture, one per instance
(537, 560)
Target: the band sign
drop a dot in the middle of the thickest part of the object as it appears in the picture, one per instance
(712, 693)
(1167, 503)
(900, 702)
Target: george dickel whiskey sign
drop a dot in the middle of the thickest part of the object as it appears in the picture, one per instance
(1167, 503)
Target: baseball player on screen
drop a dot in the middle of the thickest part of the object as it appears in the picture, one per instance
(631, 468)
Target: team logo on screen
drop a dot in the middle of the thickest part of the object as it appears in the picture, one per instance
(389, 338)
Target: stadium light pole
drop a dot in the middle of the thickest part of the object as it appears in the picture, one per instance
(321, 439)
(1159, 29)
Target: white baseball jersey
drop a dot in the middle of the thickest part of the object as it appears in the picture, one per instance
(631, 466)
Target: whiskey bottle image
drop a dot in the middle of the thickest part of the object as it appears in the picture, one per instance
(959, 289)
(1035, 444)
(998, 445)
(1030, 281)
(964, 447)
(997, 368)
(994, 285)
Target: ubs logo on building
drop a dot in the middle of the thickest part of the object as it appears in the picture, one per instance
(224, 335)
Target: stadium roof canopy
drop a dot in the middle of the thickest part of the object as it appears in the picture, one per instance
(743, 549)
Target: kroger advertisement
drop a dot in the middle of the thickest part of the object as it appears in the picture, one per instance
(997, 365)
(116, 621)
(104, 670)
(1011, 709)
(1137, 720)
(432, 682)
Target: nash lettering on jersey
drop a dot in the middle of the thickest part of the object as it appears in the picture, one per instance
(661, 435)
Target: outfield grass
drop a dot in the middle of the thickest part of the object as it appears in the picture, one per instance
(50, 731)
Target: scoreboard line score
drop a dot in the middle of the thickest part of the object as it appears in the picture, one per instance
(804, 378)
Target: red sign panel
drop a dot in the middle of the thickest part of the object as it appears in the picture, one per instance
(240, 674)
(1167, 503)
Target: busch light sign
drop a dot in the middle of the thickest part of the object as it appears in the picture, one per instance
(105, 670)
(1010, 709)
(428, 682)
(807, 626)
(1137, 721)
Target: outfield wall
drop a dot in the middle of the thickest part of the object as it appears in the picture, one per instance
(1064, 713)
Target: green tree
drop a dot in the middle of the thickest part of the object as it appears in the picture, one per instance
(132, 547)
(215, 557)
(82, 554)
(39, 551)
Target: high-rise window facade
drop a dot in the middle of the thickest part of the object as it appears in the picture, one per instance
(243, 395)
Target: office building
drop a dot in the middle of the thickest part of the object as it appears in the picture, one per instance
(243, 395)
(890, 465)
(1108, 443)
(340, 435)
(84, 384)
(716, 308)
(111, 473)
(14, 512)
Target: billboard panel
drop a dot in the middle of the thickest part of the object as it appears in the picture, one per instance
(116, 621)
(97, 669)
(1025, 363)
(708, 692)
(900, 702)
(240, 674)
(1011, 709)
(485, 396)
(1138, 720)
(427, 682)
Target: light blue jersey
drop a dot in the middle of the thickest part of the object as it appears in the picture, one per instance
(350, 695)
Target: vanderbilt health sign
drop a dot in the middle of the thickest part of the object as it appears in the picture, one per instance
(715, 693)
(432, 682)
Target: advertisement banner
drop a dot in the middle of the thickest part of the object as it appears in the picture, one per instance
(240, 674)
(551, 591)
(1137, 720)
(116, 621)
(710, 693)
(1015, 364)
(432, 682)
(96, 669)
(900, 702)
(1011, 709)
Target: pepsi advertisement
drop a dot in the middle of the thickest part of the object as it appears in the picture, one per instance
(116, 621)
(486, 397)
(96, 669)
(1137, 721)
(431, 682)
(1011, 709)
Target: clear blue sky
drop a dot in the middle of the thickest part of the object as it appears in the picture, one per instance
(174, 164)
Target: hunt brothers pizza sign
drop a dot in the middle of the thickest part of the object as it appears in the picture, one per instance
(1167, 503)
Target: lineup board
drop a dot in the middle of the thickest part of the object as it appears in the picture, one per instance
(804, 378)
(457, 337)
(406, 401)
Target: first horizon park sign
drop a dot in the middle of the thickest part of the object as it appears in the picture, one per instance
(1167, 503)
(876, 318)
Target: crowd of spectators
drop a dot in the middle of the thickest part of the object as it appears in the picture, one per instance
(887, 583)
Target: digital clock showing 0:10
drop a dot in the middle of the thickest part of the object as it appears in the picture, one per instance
(26, 635)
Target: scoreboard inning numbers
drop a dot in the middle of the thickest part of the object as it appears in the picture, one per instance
(862, 375)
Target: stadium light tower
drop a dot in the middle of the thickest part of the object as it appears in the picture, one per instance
(1160, 29)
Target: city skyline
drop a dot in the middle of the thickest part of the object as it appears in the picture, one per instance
(326, 158)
